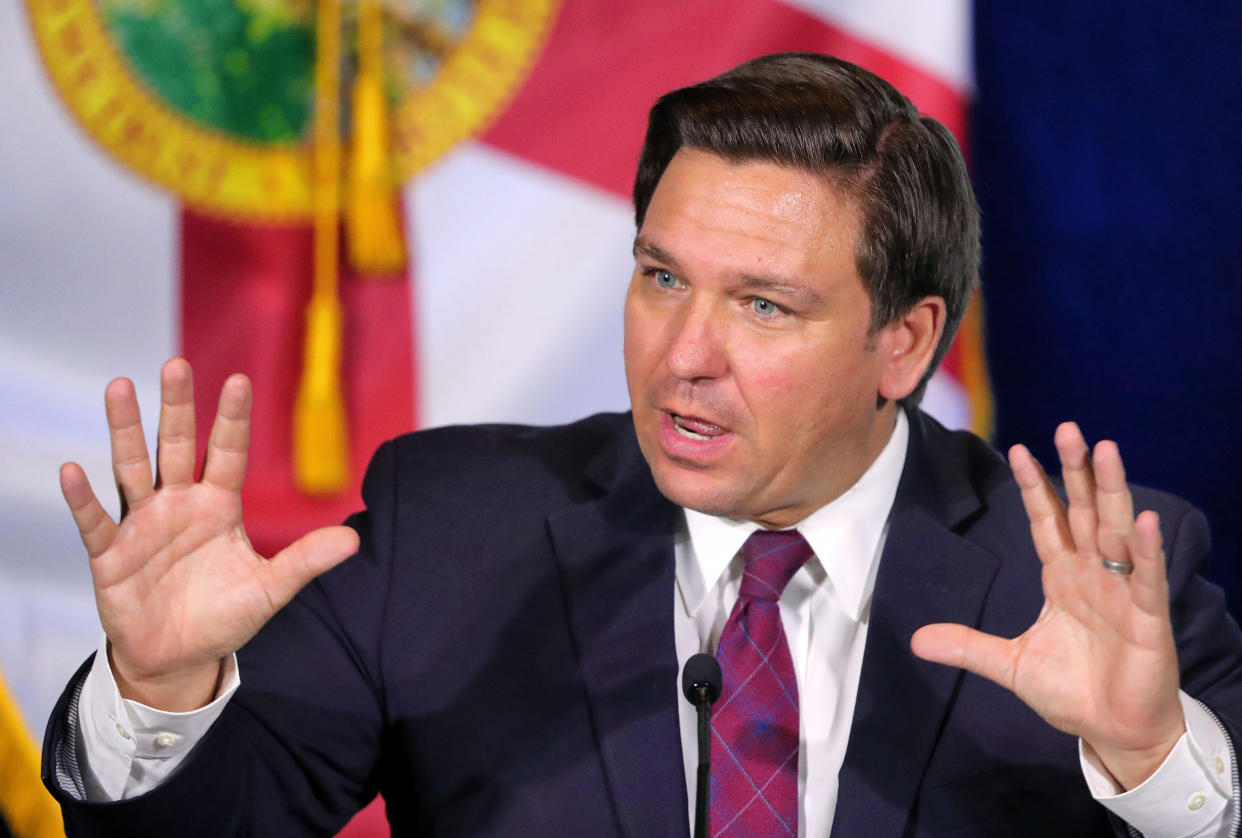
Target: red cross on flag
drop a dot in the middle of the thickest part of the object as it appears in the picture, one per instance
(171, 146)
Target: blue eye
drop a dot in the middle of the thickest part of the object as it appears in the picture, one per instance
(664, 279)
(764, 307)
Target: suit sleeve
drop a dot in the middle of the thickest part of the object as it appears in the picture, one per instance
(296, 750)
(1209, 643)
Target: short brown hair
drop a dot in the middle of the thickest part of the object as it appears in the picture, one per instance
(824, 115)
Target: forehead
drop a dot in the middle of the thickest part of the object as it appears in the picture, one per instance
(752, 215)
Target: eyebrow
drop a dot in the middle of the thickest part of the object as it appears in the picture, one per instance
(642, 247)
(782, 286)
(754, 282)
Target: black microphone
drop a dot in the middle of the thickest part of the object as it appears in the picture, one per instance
(700, 681)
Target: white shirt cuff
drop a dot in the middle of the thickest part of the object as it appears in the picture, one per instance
(1187, 794)
(129, 748)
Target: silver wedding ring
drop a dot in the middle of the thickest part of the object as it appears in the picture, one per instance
(1121, 568)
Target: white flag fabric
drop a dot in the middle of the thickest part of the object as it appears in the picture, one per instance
(518, 270)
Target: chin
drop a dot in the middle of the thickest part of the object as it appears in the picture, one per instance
(697, 491)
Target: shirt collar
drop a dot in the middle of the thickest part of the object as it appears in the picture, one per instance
(846, 535)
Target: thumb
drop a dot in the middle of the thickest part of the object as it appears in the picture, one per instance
(983, 654)
(312, 554)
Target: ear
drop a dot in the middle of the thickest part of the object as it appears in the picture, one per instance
(907, 345)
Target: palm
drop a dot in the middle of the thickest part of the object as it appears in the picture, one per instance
(1082, 667)
(1099, 662)
(177, 583)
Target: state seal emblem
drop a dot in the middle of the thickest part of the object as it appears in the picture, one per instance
(213, 99)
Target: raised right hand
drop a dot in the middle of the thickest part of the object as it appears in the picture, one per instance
(177, 584)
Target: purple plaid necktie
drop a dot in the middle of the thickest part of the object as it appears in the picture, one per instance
(754, 786)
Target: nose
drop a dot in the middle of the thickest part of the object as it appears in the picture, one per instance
(697, 348)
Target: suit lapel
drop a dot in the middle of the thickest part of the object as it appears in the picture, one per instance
(928, 574)
(615, 557)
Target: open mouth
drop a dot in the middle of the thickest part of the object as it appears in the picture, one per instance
(692, 427)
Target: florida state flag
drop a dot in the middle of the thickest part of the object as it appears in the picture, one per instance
(386, 214)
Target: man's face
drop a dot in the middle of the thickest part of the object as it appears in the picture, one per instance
(751, 372)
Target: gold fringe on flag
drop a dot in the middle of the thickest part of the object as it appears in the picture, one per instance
(974, 368)
(376, 241)
(320, 437)
(26, 808)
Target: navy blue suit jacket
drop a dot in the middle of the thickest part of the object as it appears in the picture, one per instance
(498, 660)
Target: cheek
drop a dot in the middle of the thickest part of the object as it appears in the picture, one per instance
(776, 391)
(799, 393)
(777, 371)
(631, 326)
(642, 347)
(773, 386)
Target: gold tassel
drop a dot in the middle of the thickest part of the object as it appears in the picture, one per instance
(319, 431)
(320, 436)
(376, 241)
(25, 805)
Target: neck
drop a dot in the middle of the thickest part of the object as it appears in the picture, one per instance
(862, 455)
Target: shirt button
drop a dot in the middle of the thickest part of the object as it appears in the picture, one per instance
(1220, 765)
(165, 740)
(1196, 801)
(121, 731)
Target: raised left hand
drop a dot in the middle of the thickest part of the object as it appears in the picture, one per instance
(1099, 661)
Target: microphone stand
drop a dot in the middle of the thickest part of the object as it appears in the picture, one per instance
(701, 683)
(704, 710)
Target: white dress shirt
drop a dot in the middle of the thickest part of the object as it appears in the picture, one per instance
(825, 610)
(126, 748)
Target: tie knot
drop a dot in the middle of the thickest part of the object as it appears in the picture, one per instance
(772, 558)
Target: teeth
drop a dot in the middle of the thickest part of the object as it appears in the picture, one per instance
(686, 432)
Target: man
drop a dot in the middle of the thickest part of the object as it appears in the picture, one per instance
(500, 656)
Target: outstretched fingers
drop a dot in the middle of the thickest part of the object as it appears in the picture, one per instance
(230, 436)
(175, 451)
(1080, 489)
(131, 463)
(1116, 508)
(303, 560)
(1049, 528)
(983, 654)
(95, 526)
(1149, 583)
